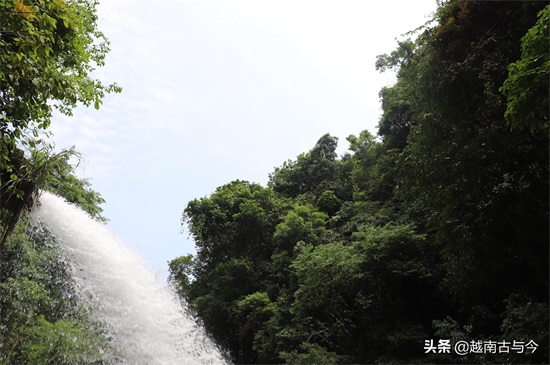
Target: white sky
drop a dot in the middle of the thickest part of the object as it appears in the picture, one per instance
(215, 91)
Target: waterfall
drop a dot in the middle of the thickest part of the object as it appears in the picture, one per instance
(147, 323)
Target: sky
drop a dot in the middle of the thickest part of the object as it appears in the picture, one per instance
(215, 91)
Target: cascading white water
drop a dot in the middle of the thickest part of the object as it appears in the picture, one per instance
(147, 322)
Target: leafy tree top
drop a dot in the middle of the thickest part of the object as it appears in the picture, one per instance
(528, 79)
(48, 51)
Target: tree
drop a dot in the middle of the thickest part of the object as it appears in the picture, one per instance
(312, 172)
(59, 178)
(479, 189)
(302, 224)
(329, 279)
(233, 230)
(44, 170)
(328, 202)
(527, 82)
(354, 299)
(48, 50)
(310, 353)
(222, 289)
(397, 117)
(252, 314)
(42, 320)
(236, 221)
(181, 269)
(439, 230)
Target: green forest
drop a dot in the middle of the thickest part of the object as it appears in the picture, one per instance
(433, 232)
(48, 51)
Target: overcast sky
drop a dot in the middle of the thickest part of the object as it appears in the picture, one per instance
(215, 91)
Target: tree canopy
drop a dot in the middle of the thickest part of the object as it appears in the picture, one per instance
(48, 52)
(435, 229)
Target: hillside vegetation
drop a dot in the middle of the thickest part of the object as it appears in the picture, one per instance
(436, 229)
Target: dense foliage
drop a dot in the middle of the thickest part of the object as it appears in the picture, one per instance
(48, 50)
(436, 230)
(42, 321)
